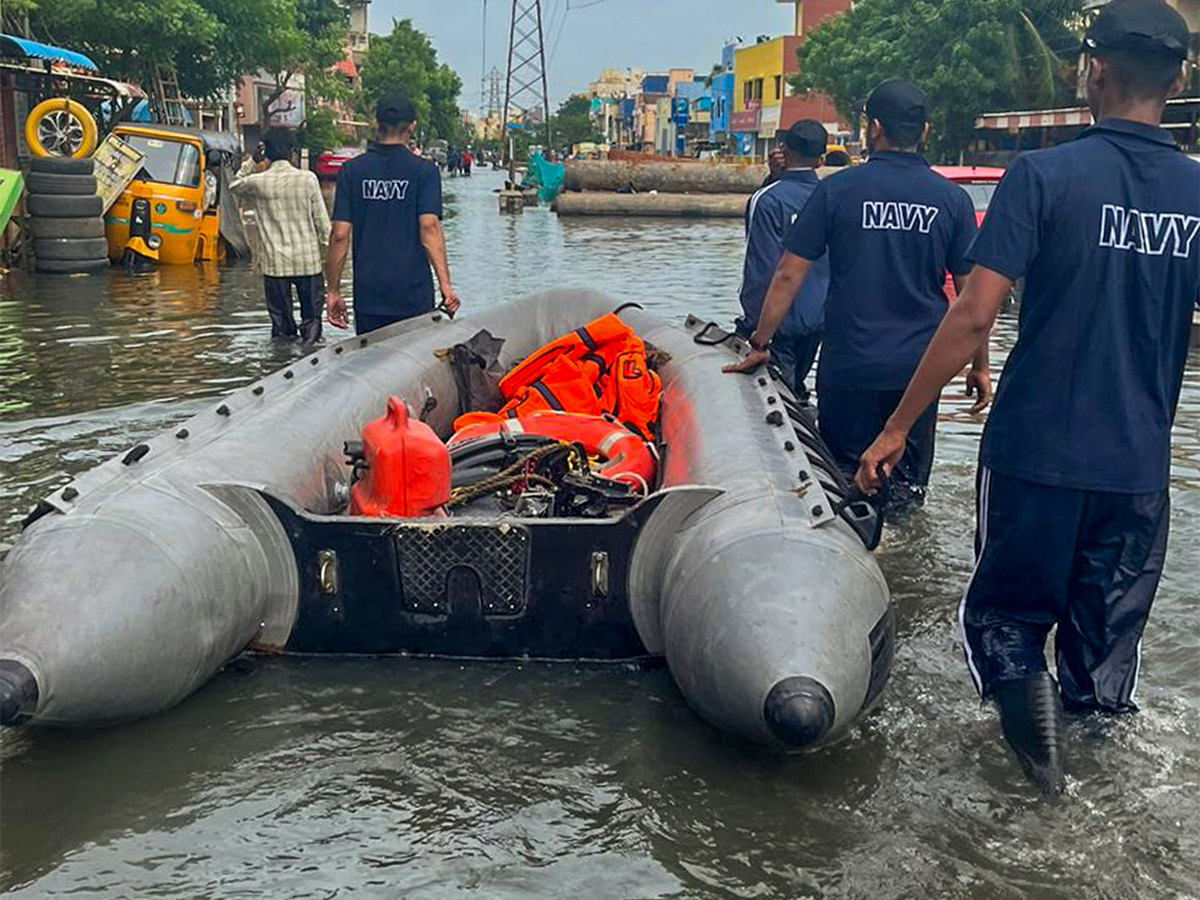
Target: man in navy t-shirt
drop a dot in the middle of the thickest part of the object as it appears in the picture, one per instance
(892, 228)
(390, 201)
(1073, 469)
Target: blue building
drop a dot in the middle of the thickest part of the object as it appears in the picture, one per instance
(722, 98)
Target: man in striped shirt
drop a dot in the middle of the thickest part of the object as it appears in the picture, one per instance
(293, 232)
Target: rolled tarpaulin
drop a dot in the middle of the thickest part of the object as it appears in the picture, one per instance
(607, 203)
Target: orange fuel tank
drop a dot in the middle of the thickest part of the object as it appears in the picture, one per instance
(407, 468)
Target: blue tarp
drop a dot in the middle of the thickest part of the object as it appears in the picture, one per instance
(547, 177)
(21, 47)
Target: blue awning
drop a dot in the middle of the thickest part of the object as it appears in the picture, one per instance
(16, 46)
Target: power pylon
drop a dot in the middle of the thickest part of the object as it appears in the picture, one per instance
(525, 83)
(493, 93)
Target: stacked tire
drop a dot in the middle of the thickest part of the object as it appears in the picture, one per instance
(65, 215)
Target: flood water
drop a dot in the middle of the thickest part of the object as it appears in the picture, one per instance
(386, 778)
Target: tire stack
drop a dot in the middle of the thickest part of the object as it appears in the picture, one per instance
(65, 215)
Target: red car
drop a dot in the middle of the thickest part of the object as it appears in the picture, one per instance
(978, 181)
(330, 161)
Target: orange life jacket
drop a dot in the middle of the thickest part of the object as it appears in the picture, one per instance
(594, 370)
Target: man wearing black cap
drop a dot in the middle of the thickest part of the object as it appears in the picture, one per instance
(892, 229)
(390, 201)
(769, 216)
(1072, 488)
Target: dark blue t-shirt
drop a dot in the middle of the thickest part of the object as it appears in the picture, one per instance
(1104, 229)
(382, 194)
(769, 216)
(893, 228)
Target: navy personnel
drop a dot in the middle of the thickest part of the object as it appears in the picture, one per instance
(892, 229)
(390, 201)
(1072, 486)
(769, 216)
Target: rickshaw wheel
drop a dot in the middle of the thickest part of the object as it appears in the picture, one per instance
(61, 127)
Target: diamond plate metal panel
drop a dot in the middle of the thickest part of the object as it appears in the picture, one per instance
(497, 555)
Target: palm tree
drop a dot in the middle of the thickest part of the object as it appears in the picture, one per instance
(1042, 44)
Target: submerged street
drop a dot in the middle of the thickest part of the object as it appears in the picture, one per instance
(417, 778)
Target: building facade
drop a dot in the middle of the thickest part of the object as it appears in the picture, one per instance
(764, 101)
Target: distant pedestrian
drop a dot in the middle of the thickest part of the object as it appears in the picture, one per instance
(465, 162)
(1073, 470)
(293, 231)
(892, 229)
(389, 203)
(769, 217)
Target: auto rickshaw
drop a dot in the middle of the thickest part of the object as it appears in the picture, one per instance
(170, 212)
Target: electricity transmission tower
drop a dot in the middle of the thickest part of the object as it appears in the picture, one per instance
(525, 83)
(483, 66)
(492, 110)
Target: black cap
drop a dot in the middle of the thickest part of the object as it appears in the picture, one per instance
(1141, 26)
(394, 108)
(897, 103)
(807, 137)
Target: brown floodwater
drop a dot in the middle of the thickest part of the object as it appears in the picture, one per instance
(385, 778)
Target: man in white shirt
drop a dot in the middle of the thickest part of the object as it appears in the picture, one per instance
(293, 233)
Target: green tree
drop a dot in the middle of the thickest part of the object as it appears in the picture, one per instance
(406, 60)
(573, 123)
(969, 56)
(209, 43)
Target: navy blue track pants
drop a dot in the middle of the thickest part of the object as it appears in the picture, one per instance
(1086, 561)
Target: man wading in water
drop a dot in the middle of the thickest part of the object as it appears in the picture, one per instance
(892, 228)
(390, 201)
(1073, 468)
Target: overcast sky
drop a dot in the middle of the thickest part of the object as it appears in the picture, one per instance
(585, 36)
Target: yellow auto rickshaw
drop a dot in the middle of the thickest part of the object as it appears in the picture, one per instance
(170, 212)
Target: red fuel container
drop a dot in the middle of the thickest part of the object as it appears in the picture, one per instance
(407, 467)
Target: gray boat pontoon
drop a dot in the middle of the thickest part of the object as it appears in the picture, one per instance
(745, 566)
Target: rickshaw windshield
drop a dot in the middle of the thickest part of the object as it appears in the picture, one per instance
(167, 161)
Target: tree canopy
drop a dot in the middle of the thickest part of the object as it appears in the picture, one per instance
(970, 56)
(209, 43)
(406, 60)
(572, 123)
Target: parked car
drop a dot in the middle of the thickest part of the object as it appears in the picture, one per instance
(329, 162)
(980, 183)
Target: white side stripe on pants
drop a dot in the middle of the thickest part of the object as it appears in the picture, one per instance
(981, 517)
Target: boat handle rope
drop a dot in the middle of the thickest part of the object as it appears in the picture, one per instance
(701, 337)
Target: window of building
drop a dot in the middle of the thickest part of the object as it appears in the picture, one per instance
(778, 86)
(758, 89)
(747, 92)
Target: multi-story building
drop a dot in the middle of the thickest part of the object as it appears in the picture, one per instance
(722, 98)
(612, 96)
(764, 101)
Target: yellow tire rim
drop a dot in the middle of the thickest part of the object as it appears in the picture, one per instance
(61, 127)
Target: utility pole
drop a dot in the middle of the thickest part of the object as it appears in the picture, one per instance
(525, 83)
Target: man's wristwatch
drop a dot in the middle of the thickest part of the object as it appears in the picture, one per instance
(758, 345)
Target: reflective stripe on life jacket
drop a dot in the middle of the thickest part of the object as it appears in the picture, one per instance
(627, 458)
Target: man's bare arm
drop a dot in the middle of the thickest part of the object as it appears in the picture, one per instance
(960, 335)
(335, 262)
(787, 280)
(433, 239)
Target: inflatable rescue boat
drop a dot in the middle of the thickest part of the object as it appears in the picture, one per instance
(358, 502)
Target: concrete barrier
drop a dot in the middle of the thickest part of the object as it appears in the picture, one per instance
(605, 203)
(665, 177)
